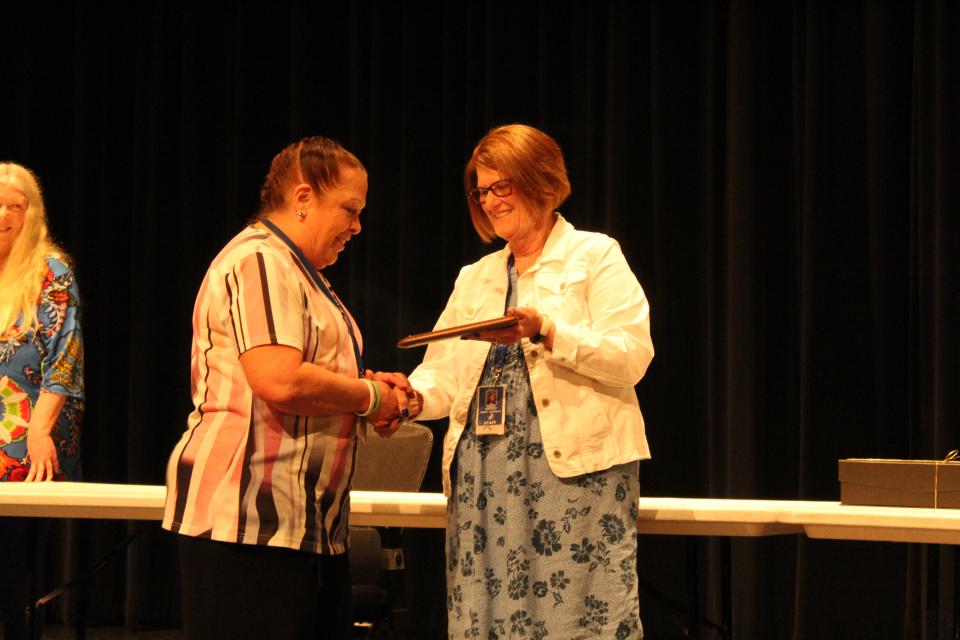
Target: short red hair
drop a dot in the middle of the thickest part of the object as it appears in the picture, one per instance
(528, 157)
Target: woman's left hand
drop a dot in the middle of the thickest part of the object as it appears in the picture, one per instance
(528, 325)
(44, 464)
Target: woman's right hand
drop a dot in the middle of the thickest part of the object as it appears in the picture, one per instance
(392, 378)
(393, 409)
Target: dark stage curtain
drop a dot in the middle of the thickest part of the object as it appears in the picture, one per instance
(782, 177)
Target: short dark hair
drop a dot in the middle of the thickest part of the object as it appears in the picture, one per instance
(315, 160)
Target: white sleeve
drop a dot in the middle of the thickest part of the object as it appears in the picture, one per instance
(613, 346)
(436, 377)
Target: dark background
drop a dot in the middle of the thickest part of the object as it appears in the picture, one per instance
(782, 176)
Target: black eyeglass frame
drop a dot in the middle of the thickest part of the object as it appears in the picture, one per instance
(500, 188)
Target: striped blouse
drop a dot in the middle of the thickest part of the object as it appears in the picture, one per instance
(244, 472)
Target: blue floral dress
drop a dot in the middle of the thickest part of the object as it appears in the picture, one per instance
(531, 555)
(50, 358)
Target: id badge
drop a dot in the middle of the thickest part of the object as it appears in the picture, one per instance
(491, 401)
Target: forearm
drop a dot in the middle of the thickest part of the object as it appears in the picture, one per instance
(311, 390)
(430, 403)
(435, 382)
(435, 379)
(45, 413)
(617, 359)
(278, 376)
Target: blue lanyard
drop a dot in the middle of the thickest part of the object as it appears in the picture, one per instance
(500, 350)
(315, 275)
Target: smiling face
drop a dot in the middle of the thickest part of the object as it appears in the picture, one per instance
(511, 216)
(13, 210)
(334, 216)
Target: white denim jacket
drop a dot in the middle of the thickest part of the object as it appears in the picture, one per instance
(589, 416)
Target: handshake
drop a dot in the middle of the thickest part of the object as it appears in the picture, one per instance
(399, 401)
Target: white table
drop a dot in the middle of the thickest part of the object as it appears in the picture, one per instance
(664, 516)
(831, 520)
(82, 500)
(145, 502)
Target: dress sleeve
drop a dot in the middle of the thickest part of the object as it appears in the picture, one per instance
(265, 303)
(61, 366)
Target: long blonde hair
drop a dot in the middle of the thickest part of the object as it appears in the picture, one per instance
(21, 276)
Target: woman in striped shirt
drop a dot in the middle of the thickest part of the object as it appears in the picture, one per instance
(258, 486)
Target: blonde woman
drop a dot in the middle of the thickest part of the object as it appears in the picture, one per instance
(41, 368)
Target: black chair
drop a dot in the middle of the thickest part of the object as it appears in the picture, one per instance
(397, 463)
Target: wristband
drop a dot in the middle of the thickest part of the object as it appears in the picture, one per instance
(374, 399)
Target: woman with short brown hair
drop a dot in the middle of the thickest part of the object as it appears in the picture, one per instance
(540, 459)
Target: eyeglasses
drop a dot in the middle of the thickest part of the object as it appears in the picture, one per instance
(501, 189)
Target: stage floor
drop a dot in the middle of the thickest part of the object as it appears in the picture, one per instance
(62, 632)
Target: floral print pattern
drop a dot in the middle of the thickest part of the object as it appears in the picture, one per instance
(50, 358)
(531, 555)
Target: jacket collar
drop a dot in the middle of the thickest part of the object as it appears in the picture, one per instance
(553, 250)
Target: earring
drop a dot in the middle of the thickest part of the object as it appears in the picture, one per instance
(301, 215)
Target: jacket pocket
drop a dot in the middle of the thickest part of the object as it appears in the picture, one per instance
(466, 312)
(596, 427)
(563, 294)
(485, 303)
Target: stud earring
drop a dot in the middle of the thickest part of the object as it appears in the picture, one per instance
(301, 215)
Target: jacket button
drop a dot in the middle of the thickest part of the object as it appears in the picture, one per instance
(534, 354)
(556, 453)
(546, 402)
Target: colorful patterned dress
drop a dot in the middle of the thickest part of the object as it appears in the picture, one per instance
(49, 359)
(529, 554)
